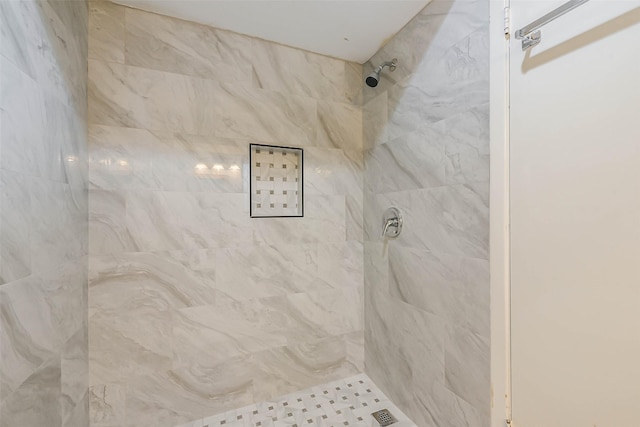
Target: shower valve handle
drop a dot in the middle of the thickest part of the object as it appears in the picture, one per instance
(391, 223)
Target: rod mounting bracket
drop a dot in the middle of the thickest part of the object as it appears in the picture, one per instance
(531, 40)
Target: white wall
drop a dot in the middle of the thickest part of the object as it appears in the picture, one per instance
(575, 217)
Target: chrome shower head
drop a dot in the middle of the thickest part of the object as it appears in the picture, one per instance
(373, 79)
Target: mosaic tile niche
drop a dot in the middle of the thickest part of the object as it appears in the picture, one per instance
(276, 181)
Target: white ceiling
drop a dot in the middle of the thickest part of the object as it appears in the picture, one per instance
(349, 29)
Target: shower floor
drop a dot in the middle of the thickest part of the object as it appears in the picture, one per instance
(346, 402)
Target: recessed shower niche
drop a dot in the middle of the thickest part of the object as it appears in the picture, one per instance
(276, 181)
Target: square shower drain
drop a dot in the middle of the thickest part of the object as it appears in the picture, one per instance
(384, 417)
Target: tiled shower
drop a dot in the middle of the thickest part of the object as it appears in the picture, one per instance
(135, 288)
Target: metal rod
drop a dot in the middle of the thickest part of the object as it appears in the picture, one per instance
(556, 13)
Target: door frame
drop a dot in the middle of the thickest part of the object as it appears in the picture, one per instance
(499, 234)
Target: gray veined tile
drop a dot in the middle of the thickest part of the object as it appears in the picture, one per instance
(289, 369)
(163, 43)
(184, 162)
(171, 397)
(467, 368)
(159, 281)
(375, 121)
(353, 83)
(467, 146)
(28, 334)
(416, 160)
(74, 367)
(208, 334)
(258, 271)
(182, 220)
(331, 171)
(60, 236)
(127, 96)
(297, 72)
(15, 252)
(127, 158)
(262, 115)
(39, 315)
(354, 217)
(20, 34)
(108, 232)
(340, 264)
(403, 347)
(340, 126)
(121, 158)
(37, 401)
(376, 267)
(451, 287)
(436, 405)
(129, 343)
(107, 404)
(324, 221)
(23, 147)
(106, 31)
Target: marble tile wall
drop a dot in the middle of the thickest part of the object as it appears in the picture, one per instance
(426, 137)
(194, 307)
(43, 214)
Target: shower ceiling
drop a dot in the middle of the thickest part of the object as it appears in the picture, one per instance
(348, 29)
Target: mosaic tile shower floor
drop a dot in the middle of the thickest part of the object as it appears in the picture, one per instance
(347, 402)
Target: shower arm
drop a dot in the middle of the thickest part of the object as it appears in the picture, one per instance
(391, 64)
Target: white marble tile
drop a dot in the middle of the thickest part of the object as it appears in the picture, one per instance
(74, 378)
(108, 223)
(435, 405)
(43, 200)
(128, 158)
(129, 343)
(251, 113)
(21, 33)
(168, 44)
(106, 31)
(181, 220)
(340, 264)
(179, 395)
(455, 81)
(324, 221)
(354, 205)
(37, 401)
(107, 404)
(23, 146)
(331, 171)
(258, 271)
(418, 161)
(39, 315)
(452, 287)
(467, 368)
(294, 71)
(128, 96)
(374, 121)
(428, 155)
(178, 163)
(340, 126)
(60, 235)
(467, 146)
(15, 234)
(160, 280)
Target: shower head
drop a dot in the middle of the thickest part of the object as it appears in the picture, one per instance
(373, 79)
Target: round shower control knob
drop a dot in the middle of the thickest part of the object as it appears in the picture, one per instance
(391, 223)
